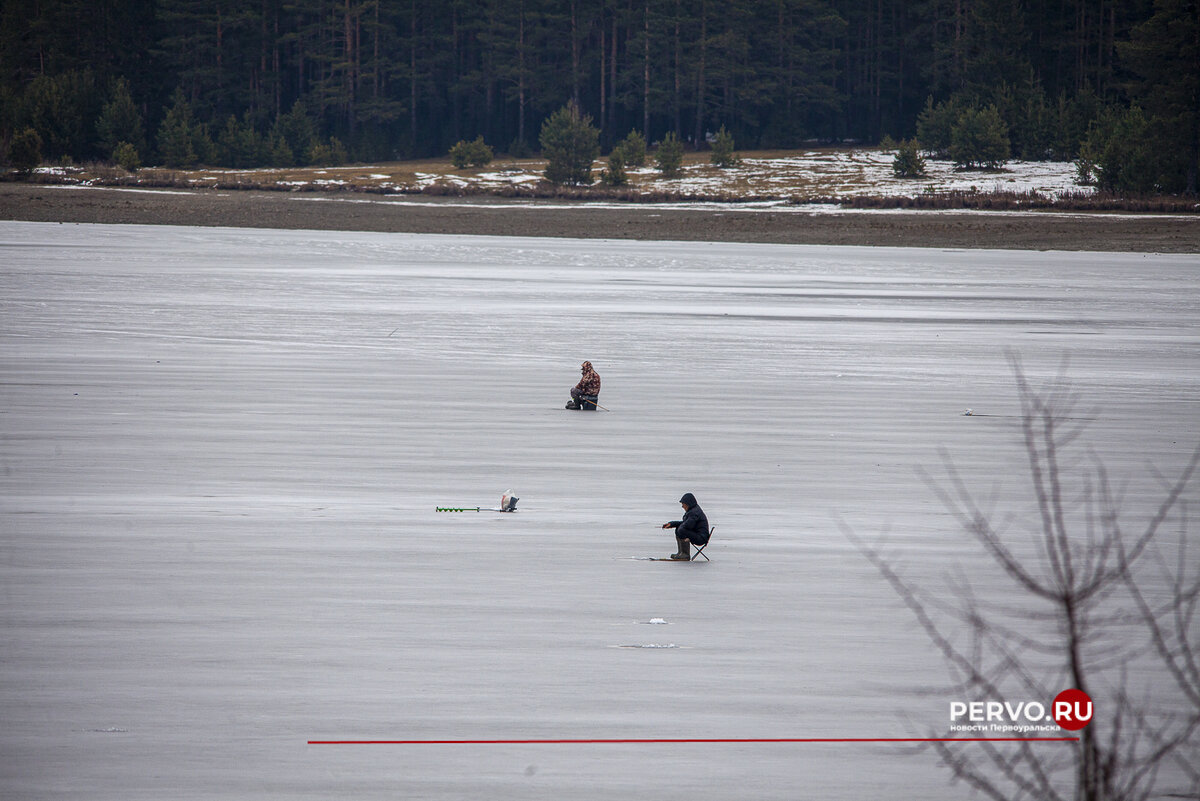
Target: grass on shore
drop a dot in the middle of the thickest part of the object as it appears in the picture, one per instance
(847, 178)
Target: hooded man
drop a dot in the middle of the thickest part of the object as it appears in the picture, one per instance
(692, 529)
(585, 394)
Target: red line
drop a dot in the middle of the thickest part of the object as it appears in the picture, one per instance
(710, 740)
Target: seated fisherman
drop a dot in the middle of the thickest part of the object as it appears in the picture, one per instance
(692, 529)
(587, 391)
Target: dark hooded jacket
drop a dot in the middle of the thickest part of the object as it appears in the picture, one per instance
(694, 525)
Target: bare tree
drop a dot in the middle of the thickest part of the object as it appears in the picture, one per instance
(1096, 606)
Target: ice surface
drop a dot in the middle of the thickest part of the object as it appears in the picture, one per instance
(222, 451)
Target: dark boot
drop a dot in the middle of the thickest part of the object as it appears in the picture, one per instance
(684, 554)
(572, 404)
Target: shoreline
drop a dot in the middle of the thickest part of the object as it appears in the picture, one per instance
(969, 229)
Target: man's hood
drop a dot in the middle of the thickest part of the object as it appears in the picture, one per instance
(690, 500)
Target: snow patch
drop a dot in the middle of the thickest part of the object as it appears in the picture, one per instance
(650, 646)
(855, 173)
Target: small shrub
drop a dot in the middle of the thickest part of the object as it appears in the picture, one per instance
(281, 153)
(887, 143)
(634, 149)
(338, 152)
(908, 163)
(319, 155)
(182, 141)
(460, 154)
(127, 156)
(570, 143)
(722, 150)
(473, 154)
(1085, 168)
(327, 154)
(298, 131)
(240, 145)
(979, 140)
(669, 157)
(1116, 155)
(25, 152)
(935, 125)
(120, 121)
(519, 149)
(615, 175)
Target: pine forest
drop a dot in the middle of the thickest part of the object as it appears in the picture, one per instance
(278, 82)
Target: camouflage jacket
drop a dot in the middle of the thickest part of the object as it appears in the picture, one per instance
(590, 383)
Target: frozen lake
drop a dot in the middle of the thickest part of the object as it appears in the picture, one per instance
(222, 451)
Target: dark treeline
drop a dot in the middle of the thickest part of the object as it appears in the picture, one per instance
(262, 81)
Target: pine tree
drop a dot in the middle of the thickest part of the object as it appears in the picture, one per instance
(633, 149)
(62, 109)
(296, 129)
(1118, 154)
(669, 156)
(979, 140)
(176, 140)
(239, 145)
(614, 174)
(327, 154)
(126, 155)
(415, 76)
(471, 154)
(994, 46)
(280, 154)
(25, 152)
(508, 44)
(1073, 117)
(795, 52)
(1034, 128)
(214, 49)
(908, 162)
(570, 144)
(1164, 54)
(120, 121)
(722, 150)
(935, 125)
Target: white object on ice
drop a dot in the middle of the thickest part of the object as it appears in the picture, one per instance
(508, 502)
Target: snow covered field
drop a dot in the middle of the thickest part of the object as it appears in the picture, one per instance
(222, 451)
(781, 176)
(866, 172)
(822, 173)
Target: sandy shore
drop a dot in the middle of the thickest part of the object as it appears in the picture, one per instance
(419, 214)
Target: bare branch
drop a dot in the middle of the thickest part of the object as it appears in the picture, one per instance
(1089, 590)
(1164, 509)
(908, 596)
(972, 519)
(962, 769)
